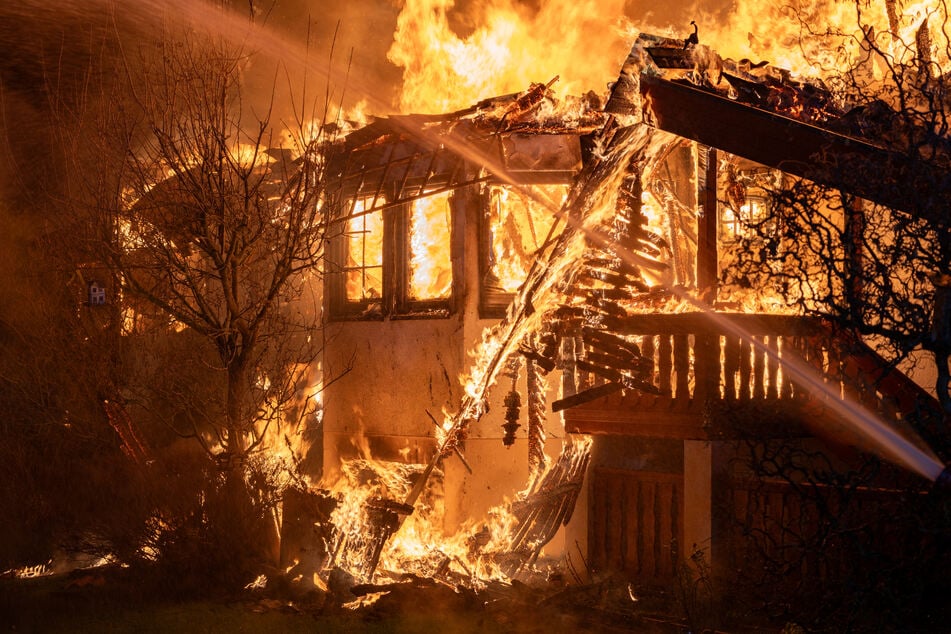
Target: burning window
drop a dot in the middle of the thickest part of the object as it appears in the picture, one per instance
(517, 224)
(752, 263)
(393, 259)
(734, 222)
(364, 255)
(746, 209)
(430, 262)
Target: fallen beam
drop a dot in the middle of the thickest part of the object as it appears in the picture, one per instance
(818, 154)
(585, 396)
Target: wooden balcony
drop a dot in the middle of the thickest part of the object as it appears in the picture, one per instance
(722, 376)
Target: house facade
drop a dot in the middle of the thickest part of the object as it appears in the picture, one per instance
(443, 221)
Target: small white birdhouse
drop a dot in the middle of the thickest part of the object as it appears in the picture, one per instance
(97, 293)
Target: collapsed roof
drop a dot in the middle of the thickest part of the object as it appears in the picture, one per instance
(756, 111)
(764, 114)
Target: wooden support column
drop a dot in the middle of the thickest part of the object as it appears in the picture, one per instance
(854, 239)
(705, 525)
(707, 261)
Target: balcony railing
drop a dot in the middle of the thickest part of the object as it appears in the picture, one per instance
(707, 365)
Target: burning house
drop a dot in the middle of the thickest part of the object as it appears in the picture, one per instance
(641, 336)
(579, 248)
(534, 344)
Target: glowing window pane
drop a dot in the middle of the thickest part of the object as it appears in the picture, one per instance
(736, 224)
(518, 226)
(730, 229)
(364, 266)
(430, 265)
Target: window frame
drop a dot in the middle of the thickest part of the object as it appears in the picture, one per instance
(493, 304)
(395, 301)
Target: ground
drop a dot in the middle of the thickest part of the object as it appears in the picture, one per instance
(109, 602)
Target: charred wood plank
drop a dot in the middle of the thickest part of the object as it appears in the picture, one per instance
(647, 349)
(821, 155)
(664, 364)
(772, 368)
(585, 396)
(617, 362)
(746, 369)
(609, 374)
(608, 341)
(731, 366)
(759, 366)
(682, 365)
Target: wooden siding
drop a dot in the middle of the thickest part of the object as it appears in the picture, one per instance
(810, 532)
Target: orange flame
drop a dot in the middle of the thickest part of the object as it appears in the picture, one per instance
(824, 37)
(364, 254)
(519, 226)
(511, 46)
(430, 275)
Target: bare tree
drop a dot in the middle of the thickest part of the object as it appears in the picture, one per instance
(205, 218)
(874, 271)
(218, 229)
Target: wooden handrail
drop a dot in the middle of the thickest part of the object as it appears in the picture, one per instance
(696, 323)
(697, 359)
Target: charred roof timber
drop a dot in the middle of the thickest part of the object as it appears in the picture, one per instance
(762, 114)
(403, 157)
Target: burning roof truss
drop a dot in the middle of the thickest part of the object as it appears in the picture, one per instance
(763, 114)
(523, 138)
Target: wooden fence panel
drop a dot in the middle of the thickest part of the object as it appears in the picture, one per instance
(635, 523)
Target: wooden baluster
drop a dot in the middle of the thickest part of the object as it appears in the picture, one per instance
(647, 350)
(664, 364)
(682, 367)
(818, 357)
(797, 354)
(759, 366)
(585, 379)
(731, 361)
(772, 368)
(665, 532)
(830, 366)
(745, 369)
(649, 527)
(706, 366)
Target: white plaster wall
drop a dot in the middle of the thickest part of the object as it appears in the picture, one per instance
(398, 370)
(401, 369)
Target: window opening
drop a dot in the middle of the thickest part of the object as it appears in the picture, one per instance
(363, 269)
(430, 261)
(518, 225)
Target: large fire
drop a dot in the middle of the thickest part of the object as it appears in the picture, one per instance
(387, 516)
(509, 48)
(506, 47)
